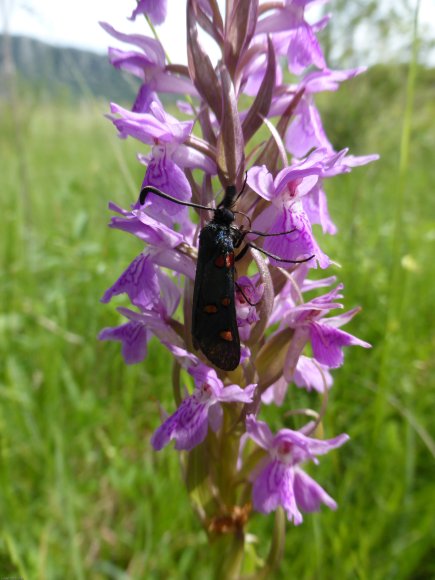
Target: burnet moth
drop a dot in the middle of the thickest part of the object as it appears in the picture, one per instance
(214, 320)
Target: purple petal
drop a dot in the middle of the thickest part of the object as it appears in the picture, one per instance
(288, 499)
(266, 492)
(304, 50)
(308, 285)
(170, 293)
(155, 321)
(309, 494)
(215, 417)
(327, 343)
(274, 487)
(259, 432)
(276, 392)
(134, 63)
(306, 131)
(344, 318)
(165, 175)
(139, 281)
(312, 375)
(186, 157)
(145, 97)
(357, 161)
(175, 261)
(185, 358)
(154, 9)
(316, 206)
(234, 394)
(261, 181)
(134, 338)
(152, 126)
(205, 375)
(300, 243)
(188, 426)
(167, 82)
(148, 229)
(150, 46)
(328, 80)
(255, 69)
(323, 446)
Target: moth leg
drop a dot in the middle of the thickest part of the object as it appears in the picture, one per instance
(243, 251)
(244, 295)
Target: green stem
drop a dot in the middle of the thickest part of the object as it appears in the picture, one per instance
(229, 553)
(156, 36)
(276, 551)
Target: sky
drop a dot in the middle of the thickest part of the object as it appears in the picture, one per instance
(75, 23)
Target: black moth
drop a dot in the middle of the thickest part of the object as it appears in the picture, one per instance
(214, 320)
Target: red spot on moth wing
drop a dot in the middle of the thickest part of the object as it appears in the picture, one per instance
(220, 261)
(226, 335)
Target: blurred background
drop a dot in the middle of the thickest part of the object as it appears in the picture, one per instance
(81, 493)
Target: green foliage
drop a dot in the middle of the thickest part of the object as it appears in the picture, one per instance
(81, 493)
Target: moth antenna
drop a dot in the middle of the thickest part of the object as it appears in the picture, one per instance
(243, 187)
(277, 258)
(150, 189)
(271, 235)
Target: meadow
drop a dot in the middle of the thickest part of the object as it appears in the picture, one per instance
(82, 494)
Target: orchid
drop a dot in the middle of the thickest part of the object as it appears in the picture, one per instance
(287, 340)
(189, 424)
(281, 481)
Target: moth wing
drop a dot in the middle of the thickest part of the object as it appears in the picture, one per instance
(214, 320)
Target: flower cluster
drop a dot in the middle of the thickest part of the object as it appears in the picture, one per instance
(263, 86)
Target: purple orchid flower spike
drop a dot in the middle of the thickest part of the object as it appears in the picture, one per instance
(280, 481)
(188, 426)
(254, 181)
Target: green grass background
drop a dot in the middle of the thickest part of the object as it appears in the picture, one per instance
(82, 495)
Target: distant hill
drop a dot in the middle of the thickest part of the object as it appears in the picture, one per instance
(64, 72)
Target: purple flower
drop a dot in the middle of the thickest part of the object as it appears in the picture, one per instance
(146, 228)
(298, 41)
(154, 9)
(248, 294)
(326, 339)
(196, 160)
(134, 337)
(148, 65)
(308, 374)
(139, 281)
(188, 426)
(154, 318)
(286, 213)
(152, 126)
(279, 480)
(169, 155)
